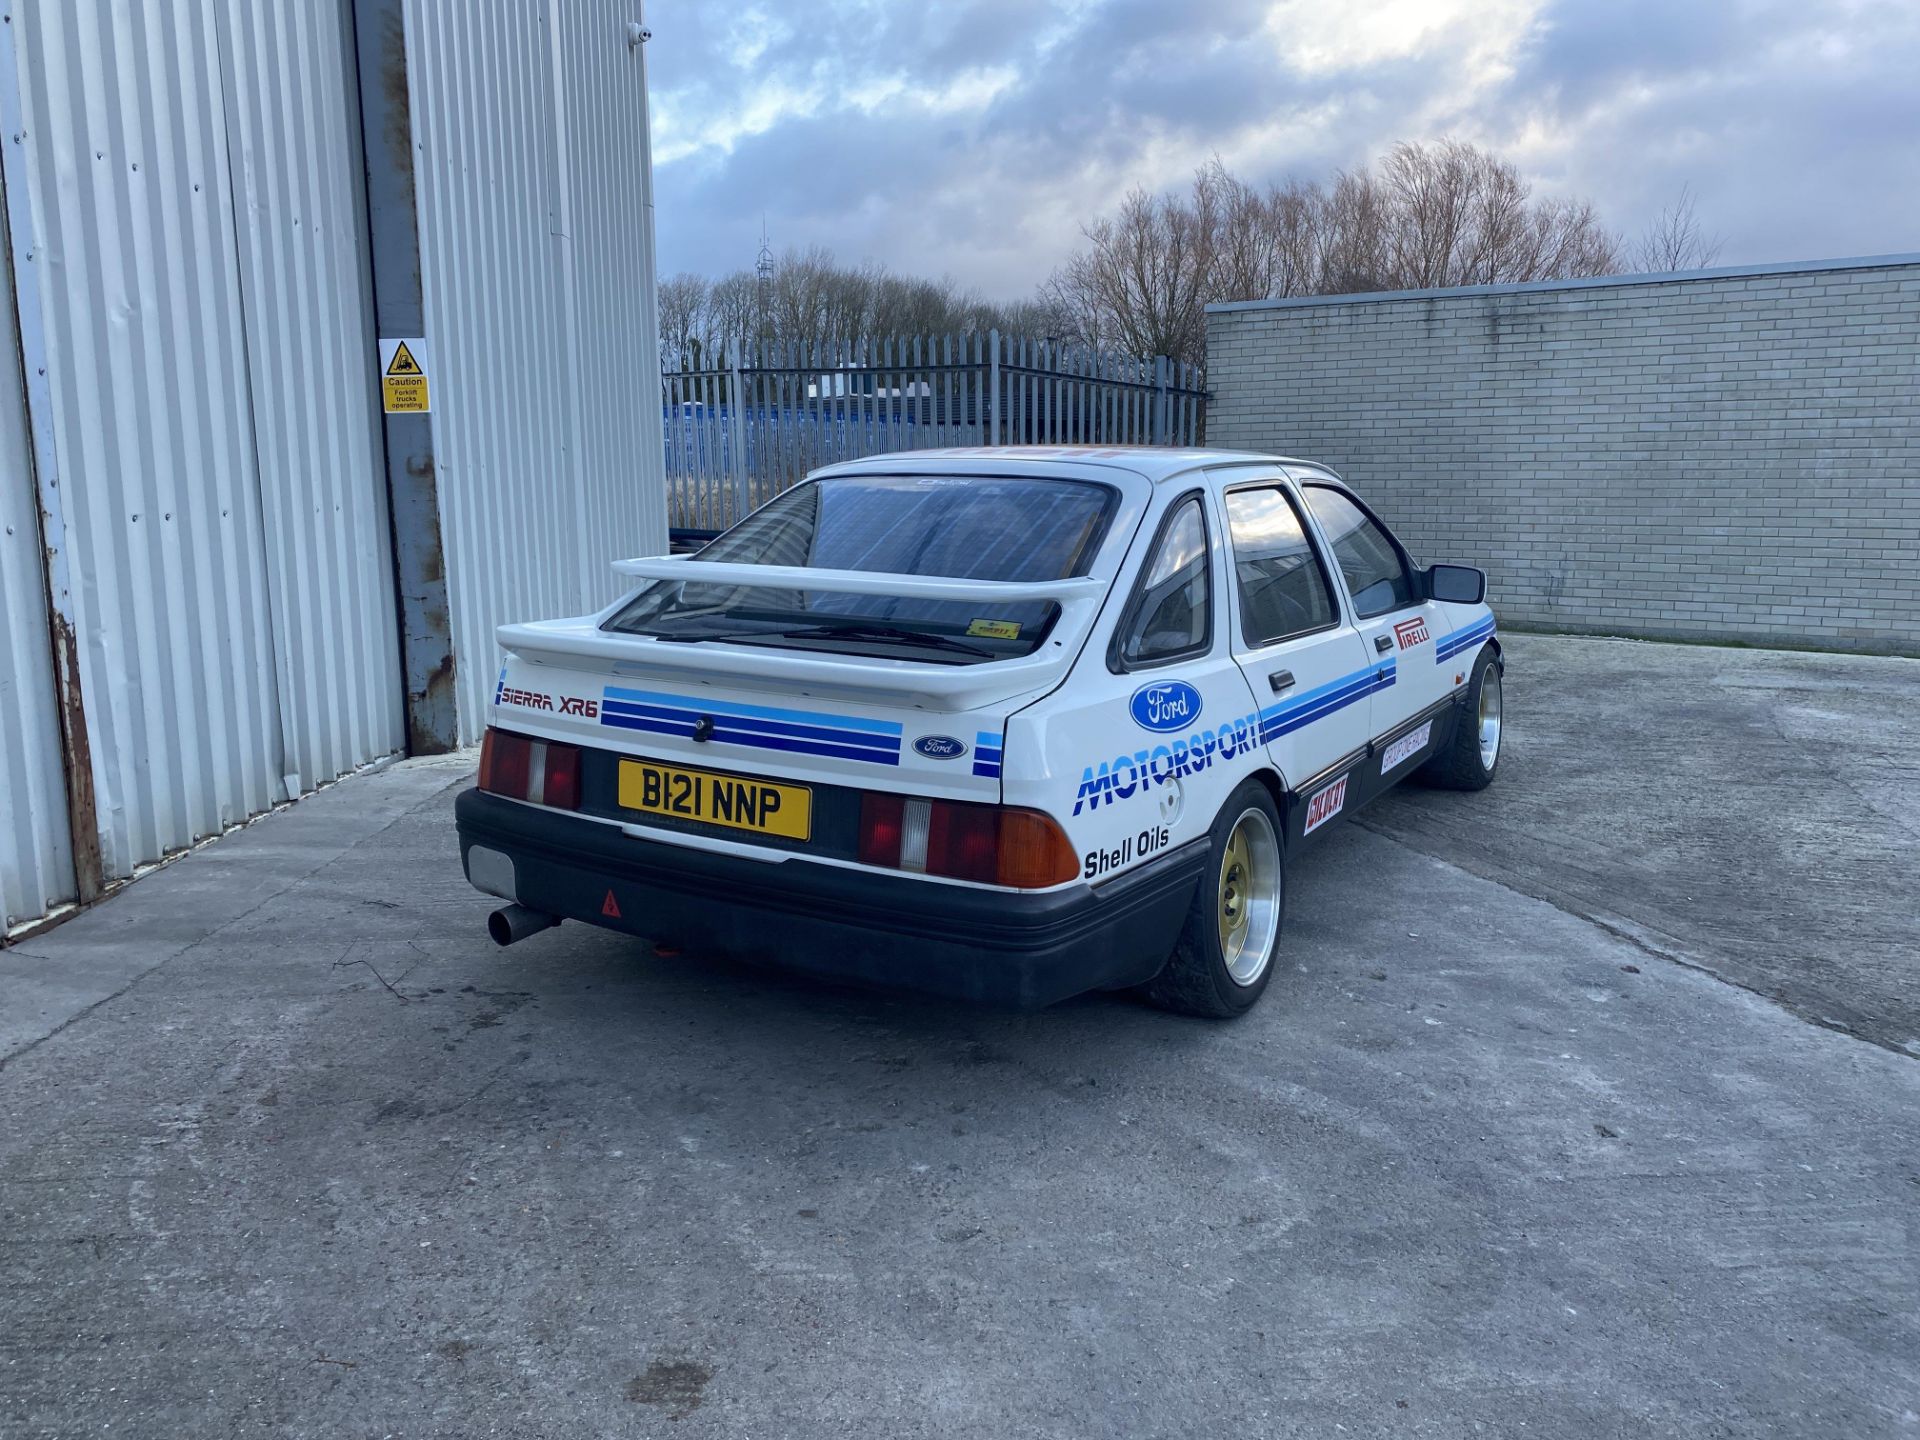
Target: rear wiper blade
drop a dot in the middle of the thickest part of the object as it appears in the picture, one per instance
(694, 638)
(890, 633)
(899, 633)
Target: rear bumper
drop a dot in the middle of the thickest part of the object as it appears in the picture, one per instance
(995, 946)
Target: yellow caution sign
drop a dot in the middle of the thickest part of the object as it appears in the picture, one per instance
(403, 375)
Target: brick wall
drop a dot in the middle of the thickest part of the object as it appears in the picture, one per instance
(1728, 456)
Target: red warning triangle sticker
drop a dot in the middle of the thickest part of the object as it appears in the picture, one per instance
(611, 907)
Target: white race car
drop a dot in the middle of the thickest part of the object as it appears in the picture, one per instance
(1007, 724)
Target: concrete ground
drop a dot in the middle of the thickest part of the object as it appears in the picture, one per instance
(287, 1147)
(1753, 812)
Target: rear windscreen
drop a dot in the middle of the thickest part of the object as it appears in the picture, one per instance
(955, 526)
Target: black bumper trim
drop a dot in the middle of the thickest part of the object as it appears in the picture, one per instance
(997, 946)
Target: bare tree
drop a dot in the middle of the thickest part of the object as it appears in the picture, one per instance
(808, 299)
(736, 315)
(1429, 215)
(1143, 281)
(1675, 241)
(683, 320)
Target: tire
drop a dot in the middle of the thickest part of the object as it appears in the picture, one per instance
(1471, 760)
(1222, 975)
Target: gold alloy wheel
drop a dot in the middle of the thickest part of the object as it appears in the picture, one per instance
(1249, 896)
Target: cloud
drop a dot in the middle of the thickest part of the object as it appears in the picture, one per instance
(972, 138)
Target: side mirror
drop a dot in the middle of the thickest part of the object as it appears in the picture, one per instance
(1457, 584)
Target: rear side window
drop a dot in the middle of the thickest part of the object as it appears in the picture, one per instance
(1375, 571)
(1283, 590)
(1171, 615)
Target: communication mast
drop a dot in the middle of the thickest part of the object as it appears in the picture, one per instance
(763, 268)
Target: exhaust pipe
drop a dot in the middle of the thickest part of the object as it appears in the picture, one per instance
(517, 922)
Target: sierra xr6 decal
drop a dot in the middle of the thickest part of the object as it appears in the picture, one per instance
(1127, 775)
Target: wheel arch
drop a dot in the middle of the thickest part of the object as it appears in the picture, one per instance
(1276, 787)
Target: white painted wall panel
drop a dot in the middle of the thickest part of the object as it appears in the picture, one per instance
(537, 268)
(36, 862)
(305, 279)
(198, 244)
(135, 257)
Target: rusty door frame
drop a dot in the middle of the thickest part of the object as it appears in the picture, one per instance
(413, 494)
(75, 745)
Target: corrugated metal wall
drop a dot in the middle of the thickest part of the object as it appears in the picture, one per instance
(187, 205)
(294, 128)
(199, 252)
(547, 436)
(36, 863)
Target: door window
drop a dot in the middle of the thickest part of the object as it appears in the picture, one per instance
(1283, 588)
(1170, 616)
(1371, 560)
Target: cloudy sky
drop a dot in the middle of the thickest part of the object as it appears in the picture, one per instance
(971, 138)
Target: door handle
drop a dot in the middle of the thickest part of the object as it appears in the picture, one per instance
(1383, 643)
(1280, 680)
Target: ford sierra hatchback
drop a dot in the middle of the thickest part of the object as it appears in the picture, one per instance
(1006, 724)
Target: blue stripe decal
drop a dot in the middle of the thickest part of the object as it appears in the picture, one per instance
(1462, 640)
(730, 726)
(758, 712)
(755, 742)
(1299, 719)
(755, 727)
(988, 746)
(1278, 720)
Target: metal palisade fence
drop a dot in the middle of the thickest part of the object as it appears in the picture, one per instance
(740, 431)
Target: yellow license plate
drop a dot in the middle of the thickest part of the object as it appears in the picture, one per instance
(737, 801)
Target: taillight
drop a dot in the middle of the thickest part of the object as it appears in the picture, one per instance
(522, 768)
(880, 817)
(987, 843)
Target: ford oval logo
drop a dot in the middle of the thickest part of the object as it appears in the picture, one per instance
(1165, 705)
(940, 747)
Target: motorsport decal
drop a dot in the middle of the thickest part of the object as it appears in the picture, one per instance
(1408, 745)
(1124, 776)
(754, 727)
(1325, 804)
(1460, 640)
(940, 747)
(1165, 705)
(1411, 632)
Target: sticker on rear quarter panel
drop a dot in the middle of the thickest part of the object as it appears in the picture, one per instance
(1325, 804)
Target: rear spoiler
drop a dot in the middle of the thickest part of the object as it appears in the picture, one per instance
(861, 582)
(927, 685)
